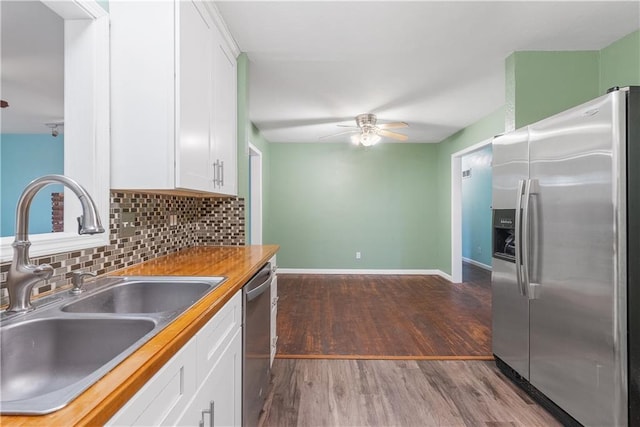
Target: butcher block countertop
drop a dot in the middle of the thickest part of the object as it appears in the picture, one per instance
(103, 399)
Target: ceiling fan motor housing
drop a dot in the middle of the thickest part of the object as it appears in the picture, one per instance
(366, 120)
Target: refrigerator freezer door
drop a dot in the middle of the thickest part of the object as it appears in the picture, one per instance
(575, 351)
(510, 308)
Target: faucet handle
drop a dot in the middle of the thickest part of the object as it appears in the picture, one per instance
(45, 271)
(77, 280)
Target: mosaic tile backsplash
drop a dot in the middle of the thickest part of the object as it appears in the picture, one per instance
(213, 221)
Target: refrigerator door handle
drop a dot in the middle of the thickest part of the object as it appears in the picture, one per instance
(530, 189)
(518, 237)
(525, 225)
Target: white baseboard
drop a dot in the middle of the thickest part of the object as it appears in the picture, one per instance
(363, 271)
(476, 263)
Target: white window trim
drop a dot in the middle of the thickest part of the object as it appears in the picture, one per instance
(86, 124)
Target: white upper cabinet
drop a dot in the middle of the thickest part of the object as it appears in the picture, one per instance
(224, 116)
(173, 98)
(194, 112)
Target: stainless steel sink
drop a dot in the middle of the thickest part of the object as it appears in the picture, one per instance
(52, 354)
(142, 296)
(46, 356)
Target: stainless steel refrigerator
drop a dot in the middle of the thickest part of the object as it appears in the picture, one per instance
(566, 259)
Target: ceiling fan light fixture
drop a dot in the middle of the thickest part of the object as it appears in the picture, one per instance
(368, 133)
(368, 139)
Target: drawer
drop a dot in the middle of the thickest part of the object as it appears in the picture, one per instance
(213, 338)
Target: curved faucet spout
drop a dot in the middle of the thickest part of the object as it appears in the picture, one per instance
(88, 222)
(23, 275)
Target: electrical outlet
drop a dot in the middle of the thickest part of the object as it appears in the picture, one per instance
(173, 220)
(358, 255)
(127, 224)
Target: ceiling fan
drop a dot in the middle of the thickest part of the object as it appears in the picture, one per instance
(368, 133)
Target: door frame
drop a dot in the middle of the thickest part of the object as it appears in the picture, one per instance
(456, 208)
(255, 195)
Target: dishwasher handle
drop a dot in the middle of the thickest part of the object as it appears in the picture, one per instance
(257, 286)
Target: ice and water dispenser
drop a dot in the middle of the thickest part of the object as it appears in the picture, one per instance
(504, 237)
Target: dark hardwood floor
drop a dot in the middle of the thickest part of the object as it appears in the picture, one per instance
(475, 274)
(397, 393)
(372, 316)
(402, 318)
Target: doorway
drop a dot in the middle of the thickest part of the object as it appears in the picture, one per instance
(255, 195)
(475, 246)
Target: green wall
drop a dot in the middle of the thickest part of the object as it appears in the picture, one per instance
(525, 84)
(620, 63)
(541, 84)
(392, 202)
(329, 201)
(249, 133)
(263, 145)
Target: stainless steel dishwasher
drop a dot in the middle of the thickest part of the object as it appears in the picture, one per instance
(256, 345)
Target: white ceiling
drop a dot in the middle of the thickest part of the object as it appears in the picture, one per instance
(437, 65)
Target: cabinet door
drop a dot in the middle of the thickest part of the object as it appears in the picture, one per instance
(193, 167)
(142, 95)
(224, 116)
(219, 398)
(216, 334)
(165, 396)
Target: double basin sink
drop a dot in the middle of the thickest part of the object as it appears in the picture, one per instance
(53, 353)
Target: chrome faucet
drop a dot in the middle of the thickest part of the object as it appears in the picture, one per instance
(23, 275)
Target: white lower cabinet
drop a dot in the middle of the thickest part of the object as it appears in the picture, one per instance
(205, 375)
(161, 401)
(218, 400)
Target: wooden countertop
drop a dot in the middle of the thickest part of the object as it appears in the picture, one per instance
(103, 399)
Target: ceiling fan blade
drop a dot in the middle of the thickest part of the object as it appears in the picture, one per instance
(395, 125)
(394, 135)
(339, 133)
(347, 126)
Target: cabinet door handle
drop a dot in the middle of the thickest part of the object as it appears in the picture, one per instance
(215, 173)
(222, 173)
(211, 412)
